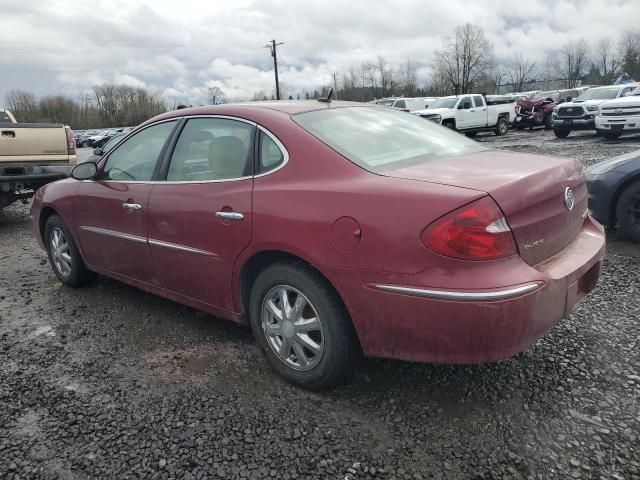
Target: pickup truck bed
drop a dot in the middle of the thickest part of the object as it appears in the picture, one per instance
(32, 155)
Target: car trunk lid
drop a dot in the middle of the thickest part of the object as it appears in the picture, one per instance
(531, 190)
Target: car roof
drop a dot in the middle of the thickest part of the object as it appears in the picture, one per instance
(282, 107)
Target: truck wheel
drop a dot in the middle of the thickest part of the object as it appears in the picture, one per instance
(449, 125)
(502, 127)
(561, 132)
(611, 135)
(63, 254)
(547, 122)
(302, 326)
(628, 212)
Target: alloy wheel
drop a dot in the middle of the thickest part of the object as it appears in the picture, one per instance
(60, 253)
(292, 327)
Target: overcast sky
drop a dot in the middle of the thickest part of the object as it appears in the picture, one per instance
(182, 47)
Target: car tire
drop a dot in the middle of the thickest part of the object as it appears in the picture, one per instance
(84, 145)
(449, 125)
(519, 127)
(561, 132)
(64, 256)
(548, 125)
(611, 135)
(312, 355)
(628, 211)
(502, 127)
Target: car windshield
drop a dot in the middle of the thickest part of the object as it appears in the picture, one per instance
(381, 139)
(598, 94)
(444, 103)
(636, 91)
(385, 102)
(552, 95)
(111, 143)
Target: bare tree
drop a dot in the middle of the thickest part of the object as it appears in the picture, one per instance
(520, 71)
(608, 59)
(575, 61)
(408, 79)
(23, 105)
(464, 58)
(216, 96)
(385, 74)
(630, 52)
(549, 71)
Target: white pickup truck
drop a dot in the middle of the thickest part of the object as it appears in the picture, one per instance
(472, 113)
(619, 116)
(32, 155)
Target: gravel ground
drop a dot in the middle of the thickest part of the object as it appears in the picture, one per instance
(109, 382)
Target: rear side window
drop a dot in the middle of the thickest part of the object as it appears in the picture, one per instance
(212, 149)
(379, 139)
(401, 104)
(478, 100)
(271, 156)
(136, 158)
(4, 117)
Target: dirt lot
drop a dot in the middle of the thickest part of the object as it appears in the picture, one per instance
(110, 382)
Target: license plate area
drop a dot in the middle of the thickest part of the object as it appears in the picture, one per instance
(568, 122)
(617, 127)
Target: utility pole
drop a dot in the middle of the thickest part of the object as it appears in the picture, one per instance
(274, 54)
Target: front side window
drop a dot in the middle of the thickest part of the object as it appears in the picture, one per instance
(212, 149)
(401, 104)
(382, 139)
(465, 103)
(136, 158)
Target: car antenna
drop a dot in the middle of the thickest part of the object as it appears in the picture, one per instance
(328, 99)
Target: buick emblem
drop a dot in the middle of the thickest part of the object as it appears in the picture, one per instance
(569, 199)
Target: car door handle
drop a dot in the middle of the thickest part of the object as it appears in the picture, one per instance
(8, 134)
(235, 216)
(132, 206)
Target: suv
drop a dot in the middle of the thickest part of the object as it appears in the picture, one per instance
(580, 114)
(536, 111)
(619, 116)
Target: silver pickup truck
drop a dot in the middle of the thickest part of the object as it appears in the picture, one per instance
(32, 155)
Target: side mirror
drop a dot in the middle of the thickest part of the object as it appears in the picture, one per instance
(84, 171)
(97, 151)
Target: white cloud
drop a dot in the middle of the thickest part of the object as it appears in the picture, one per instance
(182, 48)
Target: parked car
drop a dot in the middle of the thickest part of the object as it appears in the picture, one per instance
(614, 193)
(471, 114)
(580, 114)
(414, 243)
(32, 155)
(619, 116)
(537, 110)
(98, 152)
(406, 104)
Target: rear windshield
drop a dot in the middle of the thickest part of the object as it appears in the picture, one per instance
(380, 139)
(598, 94)
(4, 117)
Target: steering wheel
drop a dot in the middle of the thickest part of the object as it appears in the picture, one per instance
(118, 171)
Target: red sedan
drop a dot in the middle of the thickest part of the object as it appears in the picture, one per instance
(332, 229)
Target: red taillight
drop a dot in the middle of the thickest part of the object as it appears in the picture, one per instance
(71, 142)
(477, 231)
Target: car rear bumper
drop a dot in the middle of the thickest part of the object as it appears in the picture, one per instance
(403, 317)
(529, 120)
(601, 195)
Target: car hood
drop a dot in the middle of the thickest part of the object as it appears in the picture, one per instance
(584, 104)
(630, 101)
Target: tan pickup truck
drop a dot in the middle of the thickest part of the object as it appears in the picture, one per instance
(32, 155)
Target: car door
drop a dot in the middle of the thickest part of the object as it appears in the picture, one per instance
(464, 115)
(111, 211)
(200, 214)
(479, 117)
